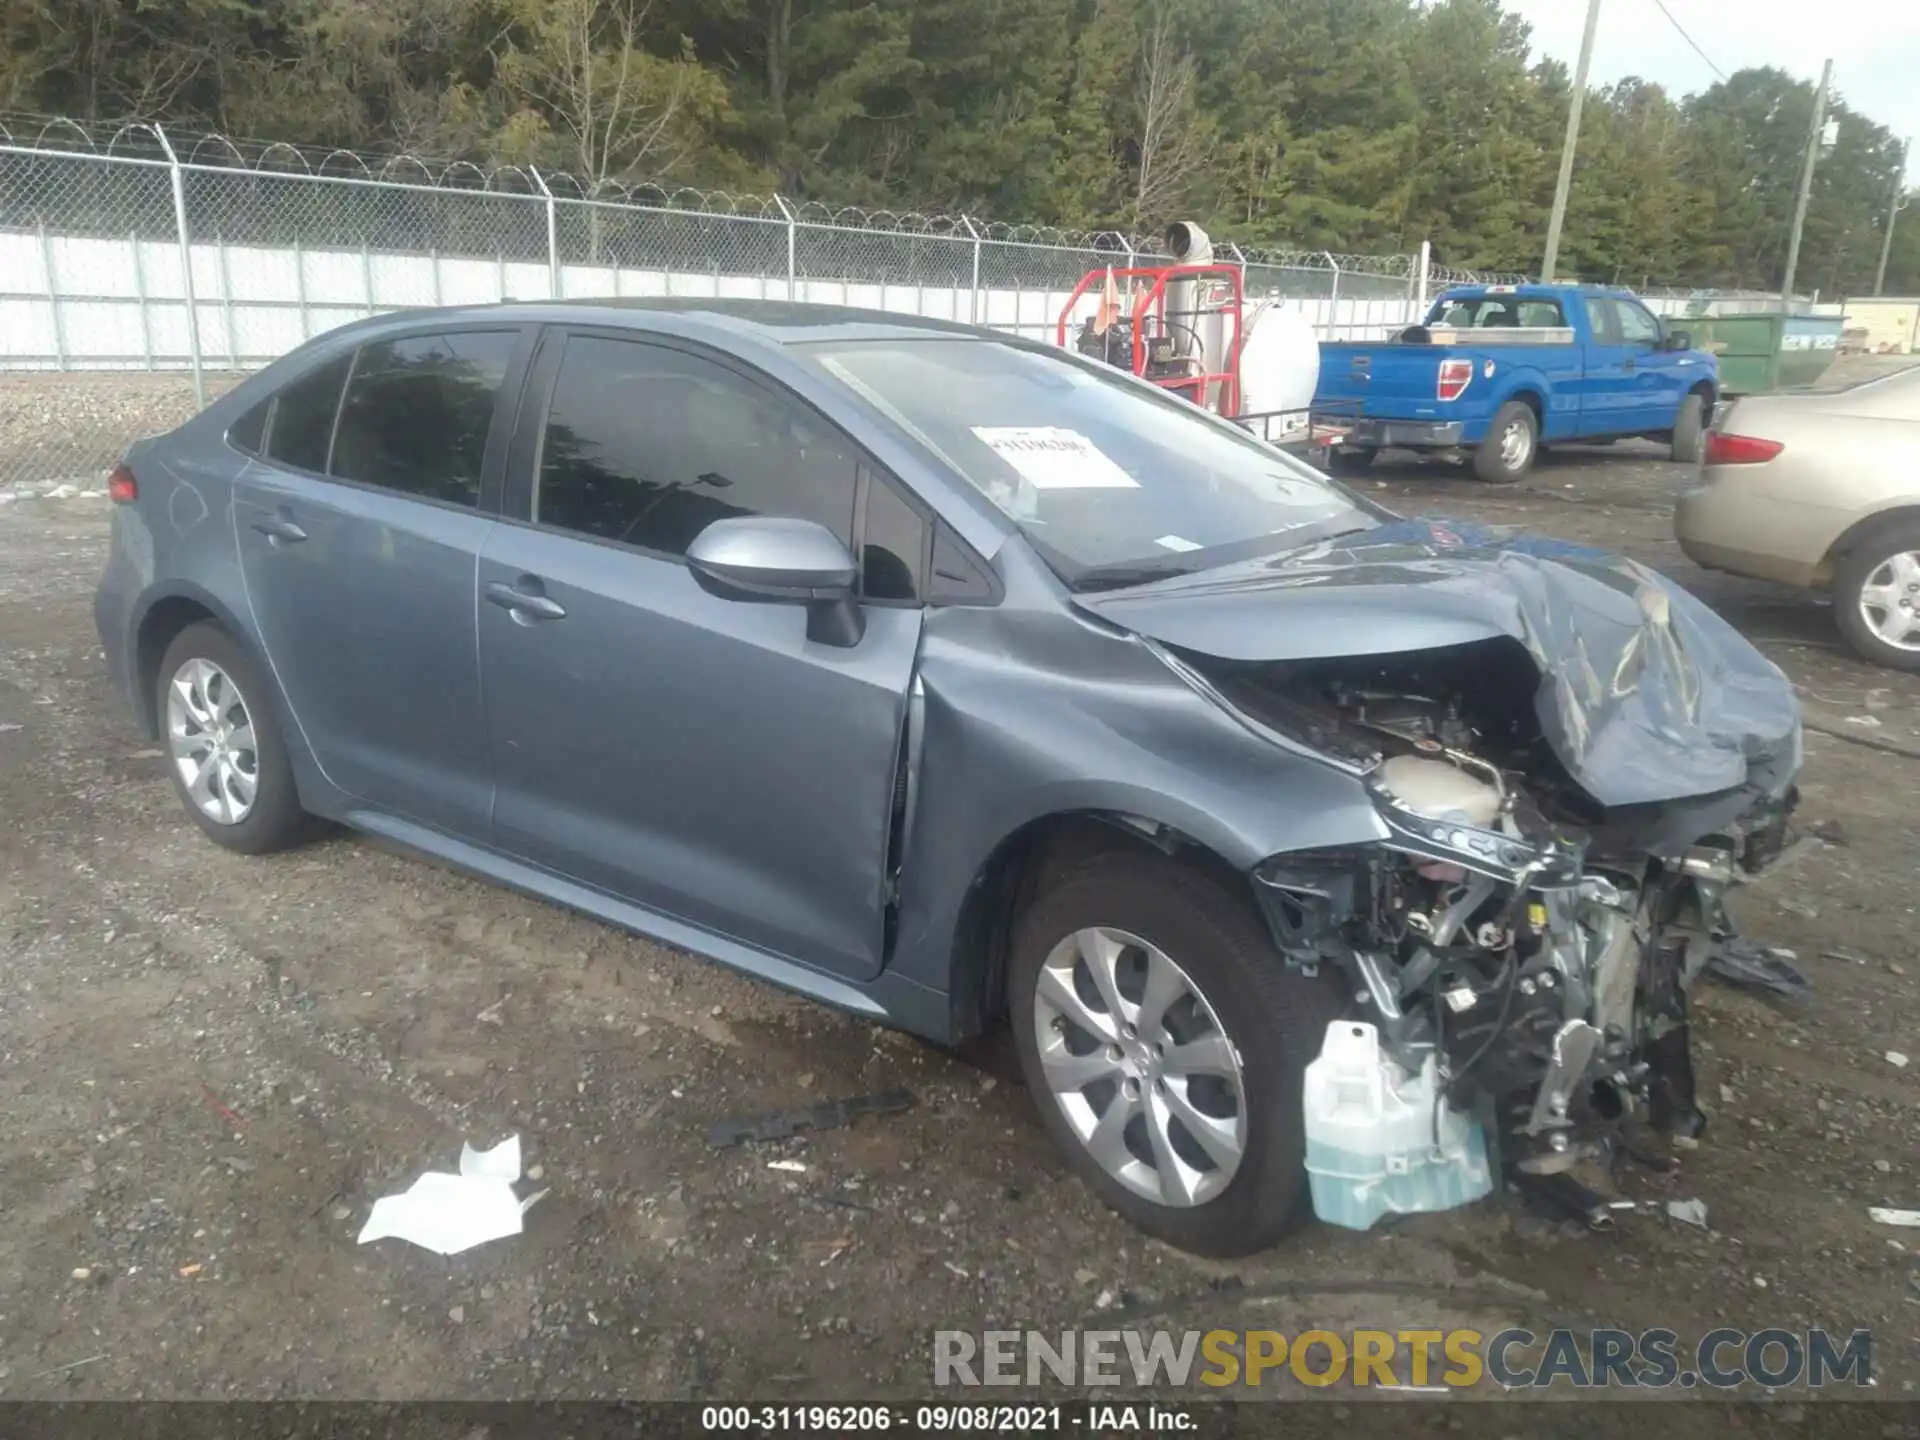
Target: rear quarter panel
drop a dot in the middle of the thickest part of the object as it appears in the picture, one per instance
(175, 543)
(1782, 519)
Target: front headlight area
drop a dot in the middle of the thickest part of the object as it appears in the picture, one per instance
(1489, 960)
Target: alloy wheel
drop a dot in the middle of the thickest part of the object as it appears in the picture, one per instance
(1140, 1066)
(1890, 600)
(210, 733)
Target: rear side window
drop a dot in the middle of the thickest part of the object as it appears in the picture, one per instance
(649, 446)
(418, 411)
(302, 429)
(249, 432)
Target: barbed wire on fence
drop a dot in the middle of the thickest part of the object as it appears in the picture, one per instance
(140, 140)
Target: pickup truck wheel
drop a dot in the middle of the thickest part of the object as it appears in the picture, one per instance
(1876, 597)
(1350, 459)
(1164, 1042)
(1513, 439)
(1690, 429)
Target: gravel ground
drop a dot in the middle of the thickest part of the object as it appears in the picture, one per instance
(212, 1065)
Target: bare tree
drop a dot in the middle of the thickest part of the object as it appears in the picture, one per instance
(584, 77)
(1167, 139)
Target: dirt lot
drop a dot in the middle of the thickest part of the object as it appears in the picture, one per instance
(210, 1066)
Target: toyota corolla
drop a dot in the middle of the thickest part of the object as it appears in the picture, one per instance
(943, 676)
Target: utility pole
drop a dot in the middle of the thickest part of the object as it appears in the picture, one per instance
(1898, 204)
(1565, 184)
(1806, 184)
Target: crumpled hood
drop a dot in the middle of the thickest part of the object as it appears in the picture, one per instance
(1645, 693)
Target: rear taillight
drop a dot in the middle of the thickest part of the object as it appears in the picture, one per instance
(122, 489)
(1454, 378)
(1723, 449)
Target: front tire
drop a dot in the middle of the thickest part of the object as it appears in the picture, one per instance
(224, 751)
(1876, 597)
(1164, 1041)
(1690, 429)
(1513, 440)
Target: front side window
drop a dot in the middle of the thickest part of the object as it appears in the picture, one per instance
(648, 446)
(418, 411)
(893, 543)
(1114, 484)
(301, 430)
(1637, 327)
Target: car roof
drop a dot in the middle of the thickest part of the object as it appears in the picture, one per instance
(778, 322)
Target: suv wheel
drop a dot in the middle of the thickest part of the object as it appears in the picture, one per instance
(223, 744)
(1164, 1041)
(1876, 597)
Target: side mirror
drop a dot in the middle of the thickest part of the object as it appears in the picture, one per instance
(1679, 340)
(770, 558)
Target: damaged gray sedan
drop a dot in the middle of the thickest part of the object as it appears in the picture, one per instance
(942, 677)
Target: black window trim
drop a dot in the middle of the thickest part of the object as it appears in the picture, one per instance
(519, 500)
(506, 405)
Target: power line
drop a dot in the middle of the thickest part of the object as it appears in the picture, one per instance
(1689, 39)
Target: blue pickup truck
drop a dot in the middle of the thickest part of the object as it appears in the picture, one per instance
(1496, 371)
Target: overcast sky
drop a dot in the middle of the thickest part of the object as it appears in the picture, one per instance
(1874, 45)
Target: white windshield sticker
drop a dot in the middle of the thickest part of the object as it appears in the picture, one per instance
(1050, 458)
(1175, 542)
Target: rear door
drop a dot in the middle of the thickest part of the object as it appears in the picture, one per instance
(695, 755)
(359, 526)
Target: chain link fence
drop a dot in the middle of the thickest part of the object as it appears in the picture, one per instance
(141, 273)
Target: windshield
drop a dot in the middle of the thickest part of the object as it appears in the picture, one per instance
(1113, 486)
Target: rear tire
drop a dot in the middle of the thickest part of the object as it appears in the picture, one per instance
(1273, 1020)
(224, 751)
(1350, 461)
(1690, 429)
(1881, 568)
(1513, 440)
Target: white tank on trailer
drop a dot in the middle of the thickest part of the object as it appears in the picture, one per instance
(1279, 363)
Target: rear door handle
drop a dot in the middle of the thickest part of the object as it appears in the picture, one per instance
(524, 605)
(280, 529)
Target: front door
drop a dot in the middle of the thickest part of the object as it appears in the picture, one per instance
(1607, 403)
(1657, 384)
(359, 527)
(698, 756)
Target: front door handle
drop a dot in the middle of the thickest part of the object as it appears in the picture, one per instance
(524, 605)
(280, 529)
(1630, 367)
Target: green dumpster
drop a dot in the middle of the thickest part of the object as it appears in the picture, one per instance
(1766, 350)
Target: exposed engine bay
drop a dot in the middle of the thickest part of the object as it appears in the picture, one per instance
(1535, 944)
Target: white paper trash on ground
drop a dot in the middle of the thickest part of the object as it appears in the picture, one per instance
(450, 1213)
(1909, 1218)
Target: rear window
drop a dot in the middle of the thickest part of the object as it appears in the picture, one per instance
(1485, 312)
